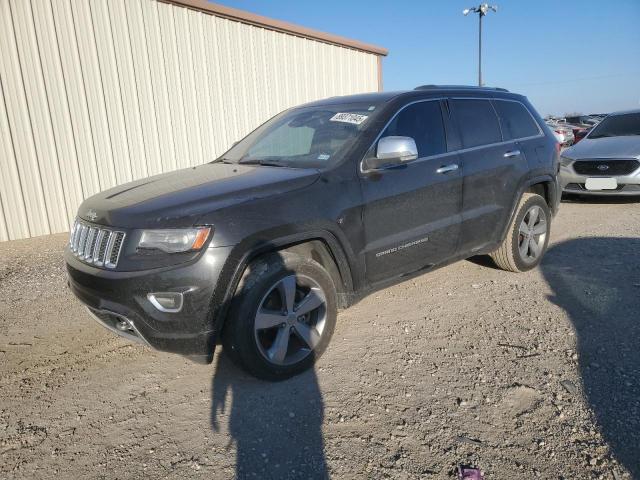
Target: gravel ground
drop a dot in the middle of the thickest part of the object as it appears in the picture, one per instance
(523, 375)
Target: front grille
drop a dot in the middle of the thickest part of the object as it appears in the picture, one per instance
(605, 168)
(95, 244)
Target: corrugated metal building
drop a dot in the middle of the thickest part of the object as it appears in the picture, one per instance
(94, 93)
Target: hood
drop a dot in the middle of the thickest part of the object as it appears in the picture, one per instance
(180, 198)
(606, 147)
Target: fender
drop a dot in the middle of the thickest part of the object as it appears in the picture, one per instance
(524, 185)
(246, 251)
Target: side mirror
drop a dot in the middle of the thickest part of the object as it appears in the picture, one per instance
(392, 151)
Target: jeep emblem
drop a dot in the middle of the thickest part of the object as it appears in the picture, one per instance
(92, 215)
(603, 167)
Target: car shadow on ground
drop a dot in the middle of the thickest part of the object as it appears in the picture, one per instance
(597, 282)
(276, 426)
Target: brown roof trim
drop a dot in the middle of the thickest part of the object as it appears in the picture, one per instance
(277, 25)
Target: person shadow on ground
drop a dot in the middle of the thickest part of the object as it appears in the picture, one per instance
(276, 426)
(597, 282)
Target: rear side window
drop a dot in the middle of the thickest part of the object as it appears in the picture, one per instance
(478, 122)
(423, 122)
(515, 119)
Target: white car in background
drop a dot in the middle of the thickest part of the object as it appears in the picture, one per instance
(560, 136)
(607, 160)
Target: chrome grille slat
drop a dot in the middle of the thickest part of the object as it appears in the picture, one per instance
(96, 245)
(76, 236)
(96, 249)
(88, 245)
(83, 238)
(102, 253)
(107, 252)
(73, 236)
(114, 252)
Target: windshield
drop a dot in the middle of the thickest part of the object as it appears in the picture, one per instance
(617, 126)
(306, 137)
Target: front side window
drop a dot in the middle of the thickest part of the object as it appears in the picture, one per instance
(478, 122)
(306, 137)
(421, 121)
(515, 120)
(621, 125)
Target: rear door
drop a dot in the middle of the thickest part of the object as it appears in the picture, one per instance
(412, 211)
(493, 168)
(519, 125)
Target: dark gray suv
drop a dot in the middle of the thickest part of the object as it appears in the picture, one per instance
(315, 209)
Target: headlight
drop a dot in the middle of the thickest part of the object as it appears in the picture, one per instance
(565, 161)
(174, 240)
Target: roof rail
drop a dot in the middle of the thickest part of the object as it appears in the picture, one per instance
(458, 87)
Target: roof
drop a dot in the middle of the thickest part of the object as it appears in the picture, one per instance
(277, 25)
(420, 92)
(460, 87)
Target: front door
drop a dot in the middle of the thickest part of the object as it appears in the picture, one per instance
(412, 211)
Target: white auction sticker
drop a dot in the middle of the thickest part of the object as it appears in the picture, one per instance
(354, 118)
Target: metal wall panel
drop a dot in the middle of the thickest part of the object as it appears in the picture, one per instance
(94, 93)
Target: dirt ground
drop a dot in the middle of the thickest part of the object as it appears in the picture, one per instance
(532, 375)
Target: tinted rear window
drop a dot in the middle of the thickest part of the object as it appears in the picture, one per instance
(515, 120)
(423, 122)
(478, 122)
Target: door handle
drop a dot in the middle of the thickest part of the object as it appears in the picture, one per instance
(511, 153)
(447, 168)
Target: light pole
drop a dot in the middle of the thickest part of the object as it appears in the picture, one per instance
(481, 10)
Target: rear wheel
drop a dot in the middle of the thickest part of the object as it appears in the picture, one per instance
(282, 318)
(526, 241)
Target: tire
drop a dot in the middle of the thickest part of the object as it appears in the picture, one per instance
(528, 236)
(290, 343)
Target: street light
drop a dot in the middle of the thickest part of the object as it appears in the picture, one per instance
(481, 10)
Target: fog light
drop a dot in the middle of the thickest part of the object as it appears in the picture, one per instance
(166, 301)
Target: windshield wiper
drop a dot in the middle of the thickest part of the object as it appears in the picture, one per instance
(267, 163)
(222, 160)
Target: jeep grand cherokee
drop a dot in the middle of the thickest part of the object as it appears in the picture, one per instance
(316, 208)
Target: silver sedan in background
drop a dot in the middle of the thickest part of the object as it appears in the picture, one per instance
(607, 160)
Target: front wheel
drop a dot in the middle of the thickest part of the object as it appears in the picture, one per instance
(282, 317)
(526, 241)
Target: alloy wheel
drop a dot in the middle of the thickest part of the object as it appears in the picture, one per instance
(290, 320)
(532, 234)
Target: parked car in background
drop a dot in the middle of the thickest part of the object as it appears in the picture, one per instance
(563, 133)
(607, 160)
(559, 135)
(579, 134)
(320, 206)
(582, 124)
(582, 120)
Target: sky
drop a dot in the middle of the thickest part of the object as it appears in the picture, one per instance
(566, 56)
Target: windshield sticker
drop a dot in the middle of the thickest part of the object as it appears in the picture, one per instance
(323, 156)
(372, 108)
(353, 118)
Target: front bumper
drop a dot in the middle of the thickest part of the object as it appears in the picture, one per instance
(572, 182)
(117, 299)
